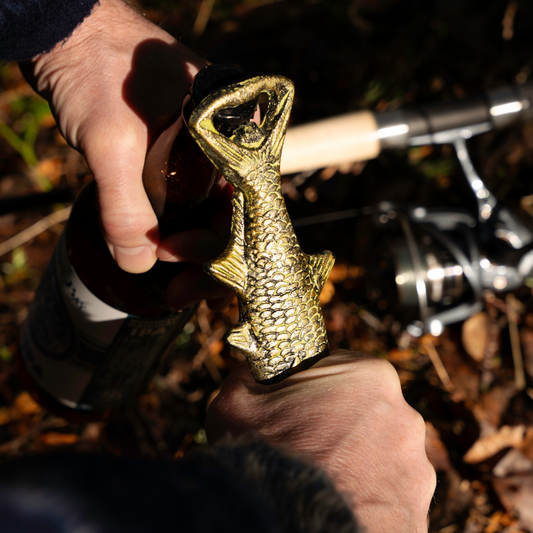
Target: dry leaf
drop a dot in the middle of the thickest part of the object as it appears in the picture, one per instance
(23, 405)
(526, 340)
(516, 494)
(486, 447)
(57, 439)
(6, 415)
(48, 121)
(327, 293)
(51, 168)
(26, 405)
(527, 445)
(216, 347)
(475, 335)
(343, 271)
(218, 360)
(400, 355)
(512, 463)
(491, 406)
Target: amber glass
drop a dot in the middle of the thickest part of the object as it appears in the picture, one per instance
(177, 177)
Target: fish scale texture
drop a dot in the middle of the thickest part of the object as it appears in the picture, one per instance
(281, 324)
(280, 292)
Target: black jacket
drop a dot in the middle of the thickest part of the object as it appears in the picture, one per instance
(32, 27)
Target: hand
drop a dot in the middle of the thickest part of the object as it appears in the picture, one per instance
(346, 414)
(197, 246)
(112, 86)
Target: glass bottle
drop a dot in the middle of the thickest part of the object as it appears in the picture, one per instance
(95, 333)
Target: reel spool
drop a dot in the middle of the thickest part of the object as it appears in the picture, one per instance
(432, 258)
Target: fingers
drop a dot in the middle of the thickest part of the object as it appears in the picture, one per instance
(191, 287)
(129, 224)
(348, 415)
(234, 406)
(242, 401)
(194, 246)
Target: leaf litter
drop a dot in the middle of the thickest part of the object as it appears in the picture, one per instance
(467, 382)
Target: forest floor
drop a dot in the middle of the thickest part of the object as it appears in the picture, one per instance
(473, 383)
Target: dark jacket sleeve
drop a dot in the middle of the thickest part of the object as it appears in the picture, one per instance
(32, 27)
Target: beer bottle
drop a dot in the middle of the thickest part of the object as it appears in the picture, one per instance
(95, 333)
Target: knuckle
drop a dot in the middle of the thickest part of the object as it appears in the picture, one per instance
(389, 381)
(430, 477)
(414, 429)
(120, 225)
(417, 423)
(233, 395)
(427, 482)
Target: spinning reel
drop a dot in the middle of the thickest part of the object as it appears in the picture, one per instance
(440, 261)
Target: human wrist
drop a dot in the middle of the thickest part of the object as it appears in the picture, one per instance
(114, 26)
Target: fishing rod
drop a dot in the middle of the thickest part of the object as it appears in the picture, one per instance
(440, 260)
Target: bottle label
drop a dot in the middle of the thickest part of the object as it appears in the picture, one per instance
(83, 352)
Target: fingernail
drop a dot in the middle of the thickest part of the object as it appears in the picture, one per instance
(134, 260)
(164, 255)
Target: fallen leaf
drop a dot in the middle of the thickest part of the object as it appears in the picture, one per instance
(526, 340)
(23, 405)
(216, 347)
(527, 445)
(516, 495)
(344, 271)
(51, 168)
(475, 335)
(491, 406)
(327, 293)
(514, 462)
(400, 355)
(486, 447)
(57, 439)
(6, 415)
(454, 492)
(26, 405)
(498, 520)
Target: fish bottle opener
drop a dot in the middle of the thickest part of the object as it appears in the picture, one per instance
(281, 329)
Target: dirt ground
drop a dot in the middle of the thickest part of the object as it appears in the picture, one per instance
(473, 384)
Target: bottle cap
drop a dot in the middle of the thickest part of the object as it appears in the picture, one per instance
(207, 81)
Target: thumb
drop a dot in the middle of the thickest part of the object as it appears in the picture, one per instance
(129, 224)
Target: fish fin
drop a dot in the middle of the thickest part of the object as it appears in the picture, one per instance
(241, 339)
(230, 268)
(280, 117)
(231, 159)
(320, 266)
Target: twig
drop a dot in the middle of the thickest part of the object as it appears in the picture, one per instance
(512, 318)
(213, 370)
(508, 21)
(439, 367)
(204, 14)
(16, 444)
(203, 352)
(37, 228)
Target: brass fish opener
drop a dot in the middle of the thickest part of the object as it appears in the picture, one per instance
(281, 329)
